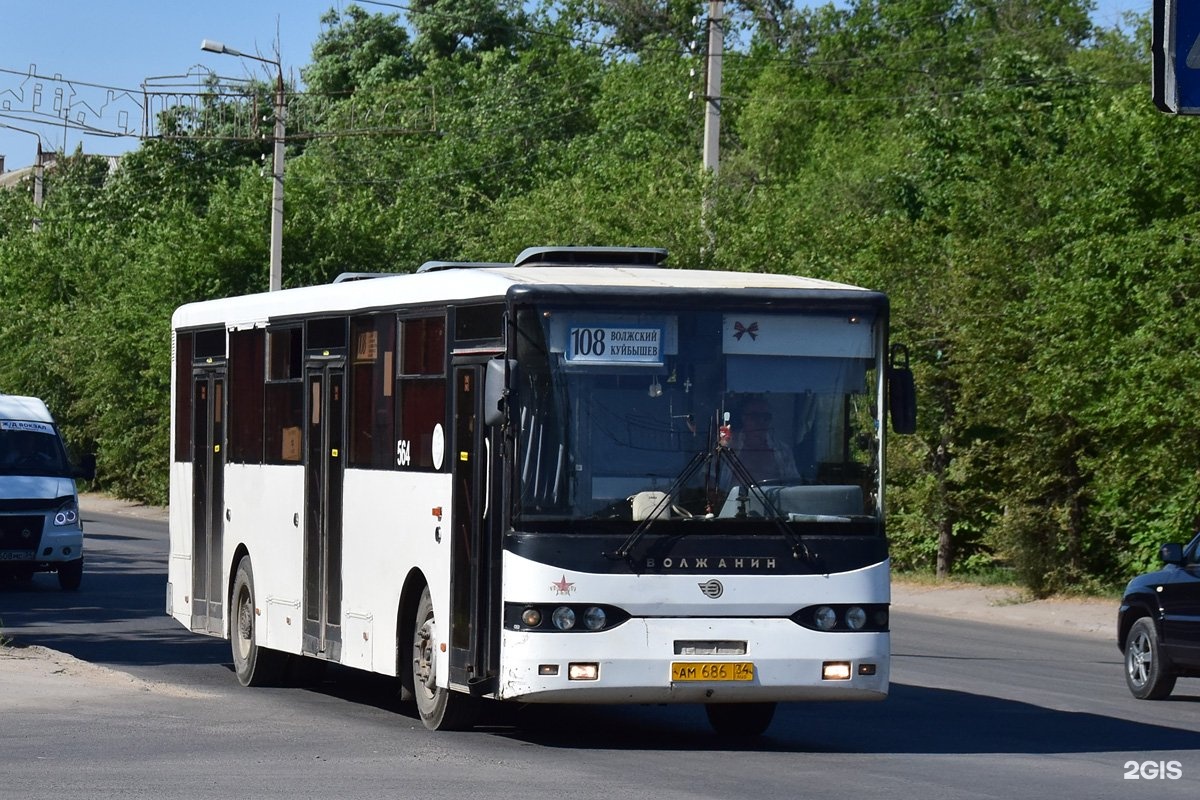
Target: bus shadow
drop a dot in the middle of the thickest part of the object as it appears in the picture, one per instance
(116, 618)
(913, 720)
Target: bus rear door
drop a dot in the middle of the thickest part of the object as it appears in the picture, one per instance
(323, 509)
(208, 470)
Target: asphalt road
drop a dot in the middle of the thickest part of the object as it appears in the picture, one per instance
(976, 711)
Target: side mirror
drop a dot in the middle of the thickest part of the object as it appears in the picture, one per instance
(1171, 553)
(495, 389)
(86, 468)
(902, 392)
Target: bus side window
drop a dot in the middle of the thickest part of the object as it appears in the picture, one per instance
(183, 396)
(372, 408)
(421, 393)
(284, 396)
(246, 396)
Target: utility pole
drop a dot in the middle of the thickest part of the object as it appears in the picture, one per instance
(712, 114)
(712, 91)
(38, 172)
(275, 280)
(276, 276)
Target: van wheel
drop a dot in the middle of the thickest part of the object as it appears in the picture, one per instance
(70, 575)
(254, 665)
(440, 708)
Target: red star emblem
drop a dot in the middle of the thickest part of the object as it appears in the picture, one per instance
(563, 586)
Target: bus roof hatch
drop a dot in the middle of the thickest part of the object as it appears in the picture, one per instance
(591, 257)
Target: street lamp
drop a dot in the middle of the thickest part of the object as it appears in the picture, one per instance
(38, 171)
(277, 163)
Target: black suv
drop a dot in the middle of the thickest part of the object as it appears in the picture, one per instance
(1158, 626)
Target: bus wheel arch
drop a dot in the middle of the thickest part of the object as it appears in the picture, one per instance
(439, 707)
(410, 596)
(254, 665)
(230, 620)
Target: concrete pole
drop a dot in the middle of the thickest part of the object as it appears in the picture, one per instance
(712, 93)
(712, 122)
(38, 171)
(276, 282)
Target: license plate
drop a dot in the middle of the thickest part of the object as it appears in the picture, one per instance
(712, 671)
(16, 555)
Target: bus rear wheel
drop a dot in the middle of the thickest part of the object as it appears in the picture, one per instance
(254, 665)
(440, 708)
(740, 719)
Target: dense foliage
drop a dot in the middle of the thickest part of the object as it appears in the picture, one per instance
(996, 166)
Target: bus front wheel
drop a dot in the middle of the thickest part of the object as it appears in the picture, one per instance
(255, 665)
(740, 719)
(440, 708)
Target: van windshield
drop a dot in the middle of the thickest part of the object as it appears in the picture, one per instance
(31, 448)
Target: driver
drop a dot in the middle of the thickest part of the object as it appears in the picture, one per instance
(755, 444)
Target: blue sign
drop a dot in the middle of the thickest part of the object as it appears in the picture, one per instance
(1176, 56)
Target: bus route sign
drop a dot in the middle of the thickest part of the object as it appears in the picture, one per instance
(615, 344)
(1175, 50)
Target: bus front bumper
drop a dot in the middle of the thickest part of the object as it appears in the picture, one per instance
(633, 663)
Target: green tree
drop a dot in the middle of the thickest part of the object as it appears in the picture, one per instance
(357, 50)
(466, 28)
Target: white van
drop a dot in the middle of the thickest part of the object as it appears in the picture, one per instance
(40, 527)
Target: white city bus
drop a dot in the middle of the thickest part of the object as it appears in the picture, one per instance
(535, 482)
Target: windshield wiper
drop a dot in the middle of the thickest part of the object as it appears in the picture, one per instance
(749, 484)
(715, 455)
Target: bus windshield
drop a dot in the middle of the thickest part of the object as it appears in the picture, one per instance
(743, 413)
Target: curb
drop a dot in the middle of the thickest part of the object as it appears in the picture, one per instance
(106, 504)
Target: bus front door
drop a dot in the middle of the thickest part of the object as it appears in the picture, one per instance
(323, 510)
(475, 554)
(208, 472)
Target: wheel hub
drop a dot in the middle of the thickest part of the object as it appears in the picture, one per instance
(1139, 660)
(423, 662)
(245, 621)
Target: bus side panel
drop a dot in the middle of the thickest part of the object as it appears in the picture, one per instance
(179, 567)
(389, 528)
(265, 508)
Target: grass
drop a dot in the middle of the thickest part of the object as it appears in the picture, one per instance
(992, 577)
(1004, 577)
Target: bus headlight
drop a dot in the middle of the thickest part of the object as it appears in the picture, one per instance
(825, 618)
(847, 618)
(855, 618)
(574, 618)
(563, 618)
(594, 618)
